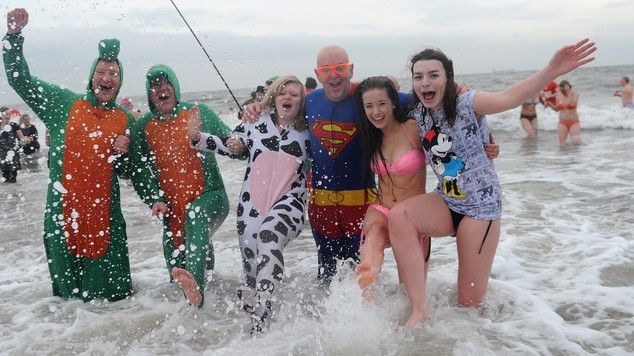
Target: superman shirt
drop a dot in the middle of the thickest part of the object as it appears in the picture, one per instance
(338, 201)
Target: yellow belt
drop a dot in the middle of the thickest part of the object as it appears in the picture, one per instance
(343, 197)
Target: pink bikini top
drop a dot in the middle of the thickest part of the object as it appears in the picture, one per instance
(407, 163)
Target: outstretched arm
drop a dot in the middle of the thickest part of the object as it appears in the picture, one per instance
(563, 61)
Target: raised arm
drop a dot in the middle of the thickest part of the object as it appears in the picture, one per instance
(43, 98)
(563, 61)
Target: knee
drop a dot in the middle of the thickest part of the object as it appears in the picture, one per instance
(375, 228)
(397, 217)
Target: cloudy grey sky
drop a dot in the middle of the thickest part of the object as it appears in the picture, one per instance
(250, 41)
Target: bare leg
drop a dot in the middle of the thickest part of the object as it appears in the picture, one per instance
(477, 242)
(535, 125)
(528, 128)
(423, 214)
(373, 250)
(563, 133)
(187, 282)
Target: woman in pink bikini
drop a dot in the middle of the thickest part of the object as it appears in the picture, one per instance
(392, 153)
(567, 100)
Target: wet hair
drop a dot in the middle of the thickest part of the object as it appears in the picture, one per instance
(626, 78)
(372, 136)
(450, 97)
(563, 83)
(268, 102)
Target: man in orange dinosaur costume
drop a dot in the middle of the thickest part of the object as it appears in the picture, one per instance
(188, 181)
(84, 231)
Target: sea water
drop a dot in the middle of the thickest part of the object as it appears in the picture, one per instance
(562, 280)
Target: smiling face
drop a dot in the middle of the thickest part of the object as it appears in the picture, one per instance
(288, 103)
(429, 82)
(106, 81)
(163, 96)
(336, 85)
(378, 107)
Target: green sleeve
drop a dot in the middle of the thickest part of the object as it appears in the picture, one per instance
(144, 177)
(49, 102)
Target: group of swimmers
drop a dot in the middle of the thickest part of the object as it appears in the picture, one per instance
(563, 99)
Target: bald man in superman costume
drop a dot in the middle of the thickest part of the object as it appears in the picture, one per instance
(84, 231)
(338, 197)
(188, 181)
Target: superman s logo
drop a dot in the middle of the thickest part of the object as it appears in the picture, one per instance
(334, 136)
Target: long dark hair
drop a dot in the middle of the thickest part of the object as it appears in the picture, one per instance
(450, 98)
(373, 137)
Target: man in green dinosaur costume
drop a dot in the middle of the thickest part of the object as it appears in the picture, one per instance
(189, 181)
(84, 231)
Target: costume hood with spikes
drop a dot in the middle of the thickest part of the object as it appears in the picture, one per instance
(108, 51)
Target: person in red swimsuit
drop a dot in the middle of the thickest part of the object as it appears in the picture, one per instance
(566, 105)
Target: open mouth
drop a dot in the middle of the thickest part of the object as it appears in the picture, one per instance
(287, 106)
(103, 88)
(164, 96)
(429, 95)
(335, 85)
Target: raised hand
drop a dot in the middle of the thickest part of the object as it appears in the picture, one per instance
(194, 124)
(17, 20)
(571, 57)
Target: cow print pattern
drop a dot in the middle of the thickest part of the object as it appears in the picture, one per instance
(264, 235)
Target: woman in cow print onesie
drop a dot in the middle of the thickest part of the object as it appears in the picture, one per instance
(273, 197)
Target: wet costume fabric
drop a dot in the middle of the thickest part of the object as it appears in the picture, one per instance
(84, 230)
(188, 181)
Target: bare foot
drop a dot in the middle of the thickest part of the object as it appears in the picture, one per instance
(416, 317)
(187, 282)
(366, 275)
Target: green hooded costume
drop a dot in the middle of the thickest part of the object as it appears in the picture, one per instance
(84, 231)
(190, 182)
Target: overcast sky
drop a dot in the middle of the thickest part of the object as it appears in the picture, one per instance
(252, 40)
